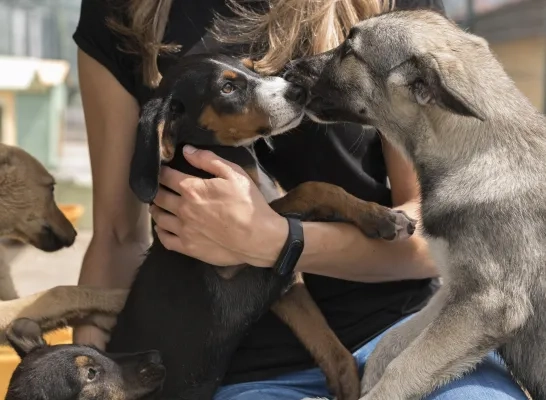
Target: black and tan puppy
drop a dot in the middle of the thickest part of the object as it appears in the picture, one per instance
(70, 372)
(194, 313)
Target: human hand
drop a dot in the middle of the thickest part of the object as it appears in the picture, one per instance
(222, 221)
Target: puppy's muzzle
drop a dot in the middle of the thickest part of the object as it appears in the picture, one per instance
(302, 73)
(48, 240)
(150, 368)
(297, 94)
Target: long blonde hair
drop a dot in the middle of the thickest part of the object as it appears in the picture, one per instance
(287, 29)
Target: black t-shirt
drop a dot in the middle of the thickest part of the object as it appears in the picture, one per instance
(346, 155)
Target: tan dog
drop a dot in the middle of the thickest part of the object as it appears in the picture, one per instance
(28, 211)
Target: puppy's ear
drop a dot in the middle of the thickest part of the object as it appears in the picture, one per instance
(444, 80)
(144, 173)
(25, 335)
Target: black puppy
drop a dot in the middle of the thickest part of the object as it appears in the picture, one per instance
(70, 372)
(194, 313)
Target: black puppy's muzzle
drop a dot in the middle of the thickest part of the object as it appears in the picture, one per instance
(150, 368)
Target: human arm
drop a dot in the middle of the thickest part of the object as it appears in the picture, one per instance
(225, 221)
(341, 251)
(120, 221)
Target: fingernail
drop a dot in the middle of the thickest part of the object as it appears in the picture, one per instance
(189, 149)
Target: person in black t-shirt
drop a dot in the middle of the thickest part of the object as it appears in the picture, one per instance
(362, 286)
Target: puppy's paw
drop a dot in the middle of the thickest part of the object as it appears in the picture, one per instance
(388, 224)
(343, 380)
(374, 369)
(105, 322)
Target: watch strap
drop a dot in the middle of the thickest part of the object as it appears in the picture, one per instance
(292, 249)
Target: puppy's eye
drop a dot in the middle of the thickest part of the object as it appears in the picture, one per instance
(228, 88)
(347, 50)
(91, 374)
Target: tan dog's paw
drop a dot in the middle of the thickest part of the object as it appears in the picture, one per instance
(388, 224)
(104, 322)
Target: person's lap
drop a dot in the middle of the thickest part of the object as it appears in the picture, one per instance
(490, 381)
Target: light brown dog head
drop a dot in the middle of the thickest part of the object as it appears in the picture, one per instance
(27, 205)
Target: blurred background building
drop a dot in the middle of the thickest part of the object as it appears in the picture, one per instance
(516, 31)
(40, 105)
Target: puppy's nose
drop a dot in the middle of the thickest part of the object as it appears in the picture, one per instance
(153, 357)
(290, 75)
(297, 94)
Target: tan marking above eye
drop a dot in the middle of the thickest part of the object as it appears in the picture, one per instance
(82, 361)
(228, 74)
(230, 129)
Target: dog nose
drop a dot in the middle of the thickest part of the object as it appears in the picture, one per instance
(154, 357)
(290, 75)
(297, 94)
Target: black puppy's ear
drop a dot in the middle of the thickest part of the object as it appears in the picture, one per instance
(144, 174)
(446, 82)
(25, 335)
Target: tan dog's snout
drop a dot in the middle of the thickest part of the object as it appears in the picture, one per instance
(55, 233)
(28, 211)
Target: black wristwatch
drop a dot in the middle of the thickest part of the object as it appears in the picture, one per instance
(292, 249)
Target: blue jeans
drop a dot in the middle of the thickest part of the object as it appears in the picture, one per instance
(490, 381)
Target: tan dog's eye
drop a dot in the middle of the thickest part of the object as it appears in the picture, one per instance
(228, 88)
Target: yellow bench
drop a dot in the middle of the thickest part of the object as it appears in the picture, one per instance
(9, 359)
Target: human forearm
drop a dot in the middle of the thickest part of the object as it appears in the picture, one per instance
(341, 251)
(111, 264)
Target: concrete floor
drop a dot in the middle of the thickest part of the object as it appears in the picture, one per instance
(33, 270)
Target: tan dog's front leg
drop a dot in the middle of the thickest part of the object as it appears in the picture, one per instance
(298, 310)
(323, 201)
(7, 286)
(61, 305)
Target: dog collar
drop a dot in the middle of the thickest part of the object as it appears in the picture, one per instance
(292, 249)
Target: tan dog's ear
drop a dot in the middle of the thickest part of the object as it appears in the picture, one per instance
(445, 82)
(249, 63)
(25, 335)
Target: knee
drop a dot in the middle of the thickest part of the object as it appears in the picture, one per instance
(262, 394)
